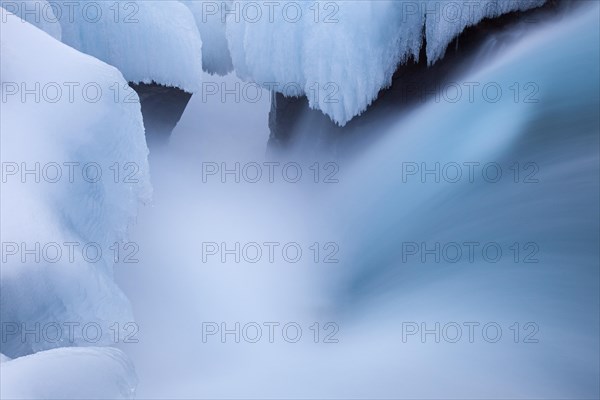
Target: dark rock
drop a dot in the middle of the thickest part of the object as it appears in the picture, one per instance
(162, 108)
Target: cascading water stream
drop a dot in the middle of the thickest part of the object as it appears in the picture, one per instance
(542, 131)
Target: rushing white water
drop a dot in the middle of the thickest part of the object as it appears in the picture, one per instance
(551, 205)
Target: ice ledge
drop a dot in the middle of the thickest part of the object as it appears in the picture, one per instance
(343, 57)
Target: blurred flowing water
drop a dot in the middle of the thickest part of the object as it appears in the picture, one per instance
(371, 214)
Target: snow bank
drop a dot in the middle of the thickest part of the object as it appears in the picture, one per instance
(37, 12)
(146, 40)
(60, 150)
(75, 373)
(216, 58)
(341, 54)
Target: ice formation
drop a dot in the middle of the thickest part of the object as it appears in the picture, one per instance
(74, 170)
(146, 40)
(210, 19)
(74, 373)
(37, 12)
(341, 54)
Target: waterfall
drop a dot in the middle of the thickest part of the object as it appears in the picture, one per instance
(476, 209)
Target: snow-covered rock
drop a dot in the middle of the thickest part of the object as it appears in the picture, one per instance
(74, 373)
(66, 118)
(148, 41)
(341, 54)
(37, 12)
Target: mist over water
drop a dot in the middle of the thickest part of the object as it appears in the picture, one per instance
(367, 211)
